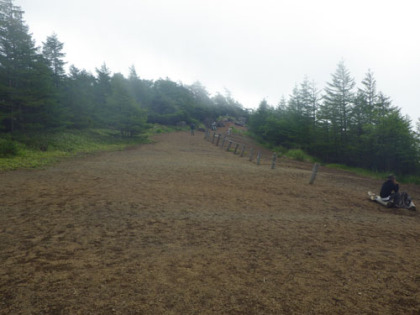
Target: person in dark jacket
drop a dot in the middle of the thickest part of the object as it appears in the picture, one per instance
(389, 188)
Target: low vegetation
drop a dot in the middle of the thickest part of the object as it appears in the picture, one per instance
(41, 149)
(299, 155)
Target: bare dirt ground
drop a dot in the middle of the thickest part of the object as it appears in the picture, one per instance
(183, 227)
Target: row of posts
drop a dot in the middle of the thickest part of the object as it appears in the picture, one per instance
(216, 139)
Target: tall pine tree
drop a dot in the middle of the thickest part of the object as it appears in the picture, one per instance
(337, 107)
(26, 100)
(53, 52)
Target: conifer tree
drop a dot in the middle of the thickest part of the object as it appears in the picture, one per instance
(337, 106)
(121, 112)
(53, 53)
(24, 81)
(140, 89)
(78, 98)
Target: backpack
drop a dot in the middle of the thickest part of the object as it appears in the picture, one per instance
(402, 200)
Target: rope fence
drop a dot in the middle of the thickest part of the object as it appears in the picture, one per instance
(232, 145)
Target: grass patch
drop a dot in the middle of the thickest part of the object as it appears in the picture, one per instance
(299, 155)
(359, 171)
(158, 129)
(409, 179)
(43, 148)
(237, 131)
(375, 174)
(8, 148)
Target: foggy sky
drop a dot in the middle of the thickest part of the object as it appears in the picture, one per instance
(255, 49)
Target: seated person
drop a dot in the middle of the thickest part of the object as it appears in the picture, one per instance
(389, 188)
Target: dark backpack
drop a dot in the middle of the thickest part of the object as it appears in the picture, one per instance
(402, 200)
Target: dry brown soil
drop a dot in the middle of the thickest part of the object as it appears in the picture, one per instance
(181, 226)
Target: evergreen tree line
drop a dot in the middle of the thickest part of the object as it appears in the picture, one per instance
(357, 126)
(354, 126)
(36, 93)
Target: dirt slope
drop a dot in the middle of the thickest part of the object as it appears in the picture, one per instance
(184, 227)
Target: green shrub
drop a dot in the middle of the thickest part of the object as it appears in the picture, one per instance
(298, 155)
(8, 148)
(237, 131)
(279, 149)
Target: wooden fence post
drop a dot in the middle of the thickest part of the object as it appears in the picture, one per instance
(218, 139)
(214, 136)
(223, 142)
(229, 145)
(236, 148)
(251, 154)
(314, 172)
(259, 157)
(242, 150)
(273, 162)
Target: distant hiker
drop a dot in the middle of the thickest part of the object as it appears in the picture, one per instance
(192, 127)
(213, 126)
(389, 188)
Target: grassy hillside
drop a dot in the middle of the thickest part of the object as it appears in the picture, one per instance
(42, 148)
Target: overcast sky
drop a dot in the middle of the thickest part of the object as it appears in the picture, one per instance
(254, 48)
